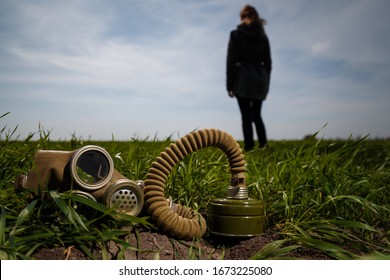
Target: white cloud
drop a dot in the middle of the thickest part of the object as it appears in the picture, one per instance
(320, 47)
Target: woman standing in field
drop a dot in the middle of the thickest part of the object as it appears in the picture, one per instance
(248, 72)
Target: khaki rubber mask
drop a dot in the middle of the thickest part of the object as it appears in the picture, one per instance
(89, 172)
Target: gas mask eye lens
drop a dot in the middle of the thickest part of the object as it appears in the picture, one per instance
(91, 167)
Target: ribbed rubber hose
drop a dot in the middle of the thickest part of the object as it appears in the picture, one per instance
(181, 221)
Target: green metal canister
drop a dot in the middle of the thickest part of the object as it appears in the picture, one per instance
(236, 217)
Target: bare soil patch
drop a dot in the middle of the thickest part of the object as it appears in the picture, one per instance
(148, 245)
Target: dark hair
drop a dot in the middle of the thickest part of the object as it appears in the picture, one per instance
(249, 15)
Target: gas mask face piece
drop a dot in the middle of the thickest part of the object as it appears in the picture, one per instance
(89, 172)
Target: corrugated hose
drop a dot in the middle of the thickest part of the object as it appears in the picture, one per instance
(180, 221)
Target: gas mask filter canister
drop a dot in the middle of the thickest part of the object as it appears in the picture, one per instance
(89, 172)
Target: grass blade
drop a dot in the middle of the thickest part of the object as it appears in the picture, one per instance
(23, 216)
(69, 212)
(2, 226)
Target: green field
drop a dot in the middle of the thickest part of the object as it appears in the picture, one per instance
(333, 196)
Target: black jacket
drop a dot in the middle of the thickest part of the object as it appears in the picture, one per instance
(248, 62)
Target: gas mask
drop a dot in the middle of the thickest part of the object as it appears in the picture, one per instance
(89, 172)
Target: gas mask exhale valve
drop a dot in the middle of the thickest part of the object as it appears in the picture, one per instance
(89, 172)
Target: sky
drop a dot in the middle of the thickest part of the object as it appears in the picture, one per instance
(123, 69)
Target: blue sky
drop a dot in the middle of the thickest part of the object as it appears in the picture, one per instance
(99, 69)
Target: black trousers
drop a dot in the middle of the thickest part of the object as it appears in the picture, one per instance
(251, 113)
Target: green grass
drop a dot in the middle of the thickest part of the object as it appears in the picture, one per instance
(332, 196)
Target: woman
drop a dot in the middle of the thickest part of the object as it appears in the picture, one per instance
(248, 72)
